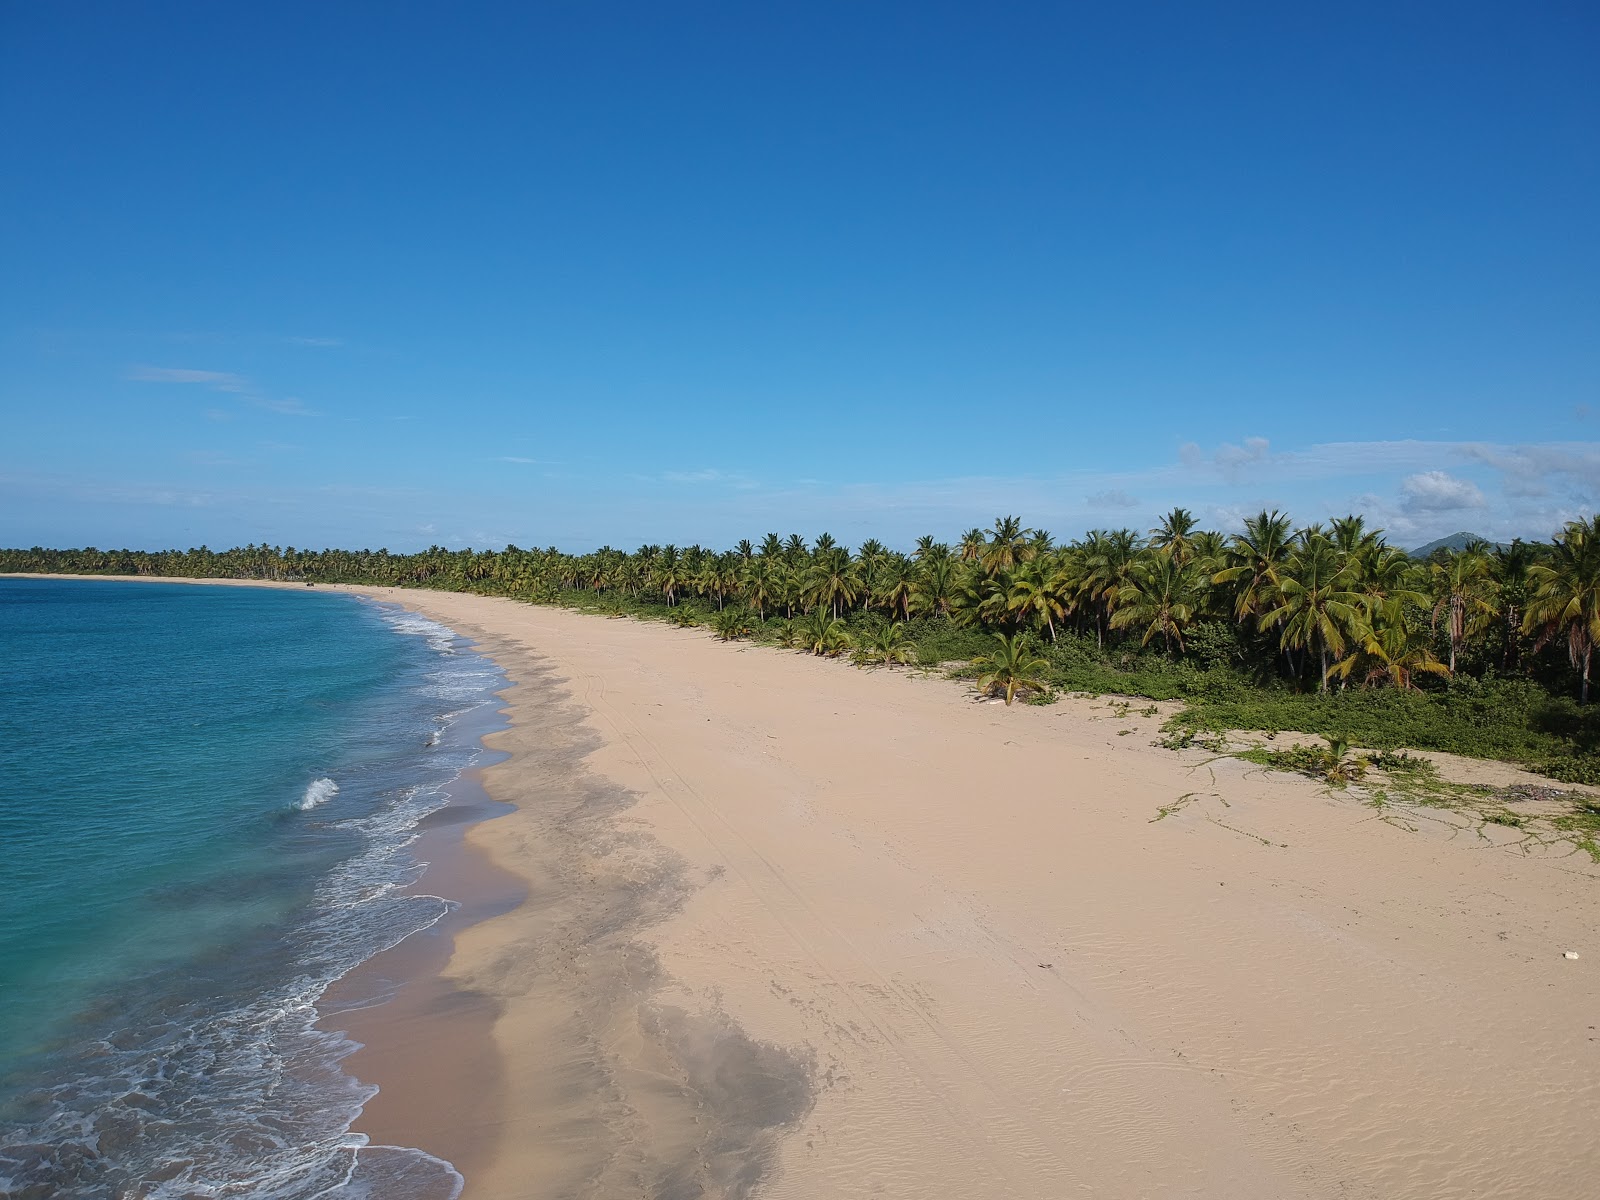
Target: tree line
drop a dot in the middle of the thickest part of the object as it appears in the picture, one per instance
(1324, 606)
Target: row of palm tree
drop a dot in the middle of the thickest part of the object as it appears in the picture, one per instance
(1334, 604)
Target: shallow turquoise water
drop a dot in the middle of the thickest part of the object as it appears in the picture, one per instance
(206, 798)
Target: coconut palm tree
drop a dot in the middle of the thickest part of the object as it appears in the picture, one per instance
(1005, 547)
(824, 634)
(1034, 593)
(1176, 532)
(896, 581)
(1314, 604)
(1565, 596)
(887, 646)
(832, 581)
(972, 544)
(1255, 558)
(1012, 668)
(1511, 565)
(1393, 653)
(760, 580)
(1464, 591)
(1163, 594)
(933, 592)
(730, 623)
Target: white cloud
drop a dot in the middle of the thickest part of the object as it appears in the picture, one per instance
(1229, 459)
(219, 381)
(321, 342)
(1438, 491)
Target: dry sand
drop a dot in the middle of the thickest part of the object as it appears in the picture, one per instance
(803, 931)
(807, 931)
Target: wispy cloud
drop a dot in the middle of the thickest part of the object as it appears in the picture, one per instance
(288, 405)
(220, 381)
(710, 475)
(1111, 498)
(319, 342)
(526, 462)
(217, 381)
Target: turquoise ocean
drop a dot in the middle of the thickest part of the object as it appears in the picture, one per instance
(208, 799)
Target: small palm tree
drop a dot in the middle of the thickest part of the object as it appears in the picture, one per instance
(824, 634)
(730, 623)
(1011, 669)
(887, 647)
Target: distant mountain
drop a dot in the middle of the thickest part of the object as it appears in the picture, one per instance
(1456, 541)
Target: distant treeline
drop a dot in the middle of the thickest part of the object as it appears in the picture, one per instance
(1319, 611)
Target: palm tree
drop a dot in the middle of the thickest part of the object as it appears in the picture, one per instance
(1005, 547)
(832, 580)
(933, 593)
(1163, 593)
(1511, 565)
(1035, 592)
(895, 584)
(887, 646)
(1254, 560)
(972, 544)
(1176, 533)
(1104, 569)
(730, 623)
(1565, 596)
(760, 582)
(1392, 653)
(1314, 603)
(824, 634)
(1464, 593)
(1011, 669)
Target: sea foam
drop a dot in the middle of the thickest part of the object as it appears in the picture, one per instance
(318, 791)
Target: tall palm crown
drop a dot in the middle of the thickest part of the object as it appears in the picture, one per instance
(1163, 593)
(1255, 558)
(1315, 601)
(1176, 533)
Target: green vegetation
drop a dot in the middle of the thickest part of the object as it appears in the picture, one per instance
(1326, 629)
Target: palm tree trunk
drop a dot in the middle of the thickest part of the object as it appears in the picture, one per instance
(1584, 695)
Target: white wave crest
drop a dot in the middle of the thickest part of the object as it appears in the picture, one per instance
(318, 791)
(439, 637)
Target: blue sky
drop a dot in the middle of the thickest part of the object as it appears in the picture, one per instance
(573, 274)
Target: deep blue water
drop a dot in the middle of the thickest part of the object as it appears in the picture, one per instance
(207, 796)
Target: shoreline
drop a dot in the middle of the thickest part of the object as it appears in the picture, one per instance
(423, 1043)
(810, 931)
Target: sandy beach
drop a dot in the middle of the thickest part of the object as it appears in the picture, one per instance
(799, 930)
(792, 929)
